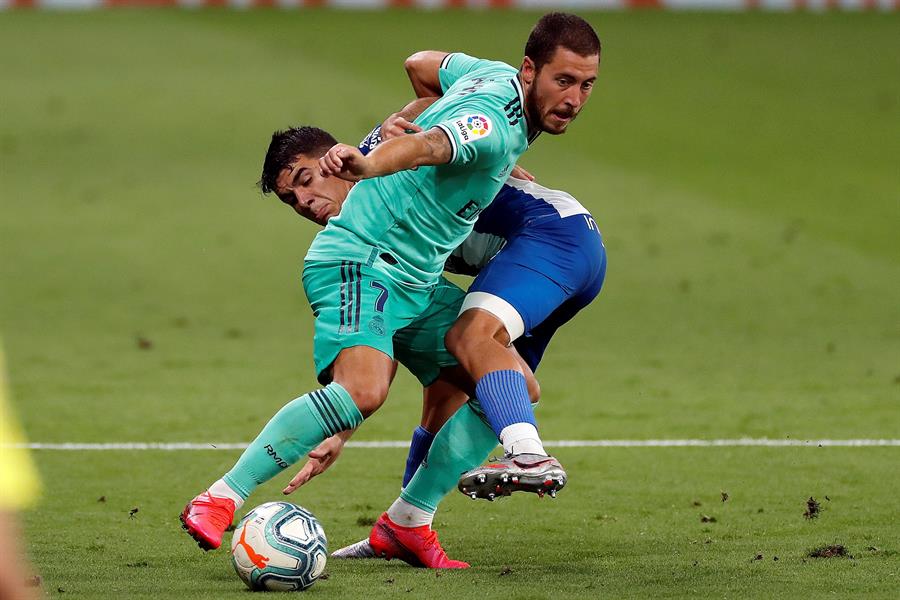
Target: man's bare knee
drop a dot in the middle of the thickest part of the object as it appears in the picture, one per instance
(366, 375)
(368, 396)
(455, 340)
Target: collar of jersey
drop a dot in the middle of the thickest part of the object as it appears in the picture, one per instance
(518, 87)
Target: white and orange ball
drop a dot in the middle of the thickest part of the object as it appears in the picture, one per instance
(279, 546)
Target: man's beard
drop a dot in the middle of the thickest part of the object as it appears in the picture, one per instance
(535, 114)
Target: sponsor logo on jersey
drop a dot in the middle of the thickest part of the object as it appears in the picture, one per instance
(476, 83)
(473, 127)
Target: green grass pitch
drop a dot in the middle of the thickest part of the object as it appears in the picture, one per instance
(743, 169)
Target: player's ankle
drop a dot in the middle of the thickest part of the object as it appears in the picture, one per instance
(527, 446)
(404, 514)
(522, 438)
(221, 489)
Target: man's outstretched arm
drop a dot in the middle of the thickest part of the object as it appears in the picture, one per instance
(424, 149)
(423, 69)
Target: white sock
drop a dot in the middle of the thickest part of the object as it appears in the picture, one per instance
(522, 438)
(405, 514)
(220, 489)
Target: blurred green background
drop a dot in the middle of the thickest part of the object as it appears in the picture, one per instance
(742, 167)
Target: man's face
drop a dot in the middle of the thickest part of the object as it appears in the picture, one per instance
(557, 93)
(302, 187)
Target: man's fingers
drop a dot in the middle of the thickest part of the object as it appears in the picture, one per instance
(408, 126)
(298, 480)
(325, 166)
(520, 173)
(331, 166)
(341, 161)
(334, 160)
(397, 126)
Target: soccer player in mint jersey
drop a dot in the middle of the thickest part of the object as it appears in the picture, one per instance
(561, 62)
(467, 440)
(375, 269)
(567, 249)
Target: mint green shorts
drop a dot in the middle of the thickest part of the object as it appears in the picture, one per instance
(357, 304)
(420, 345)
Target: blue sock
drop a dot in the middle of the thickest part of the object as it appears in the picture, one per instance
(418, 448)
(503, 396)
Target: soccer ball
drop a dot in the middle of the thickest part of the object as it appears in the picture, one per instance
(279, 546)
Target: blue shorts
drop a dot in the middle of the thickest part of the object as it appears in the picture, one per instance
(546, 274)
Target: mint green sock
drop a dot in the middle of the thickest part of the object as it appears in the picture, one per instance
(295, 430)
(463, 443)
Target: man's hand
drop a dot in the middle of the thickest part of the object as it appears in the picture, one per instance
(346, 162)
(520, 173)
(320, 458)
(396, 125)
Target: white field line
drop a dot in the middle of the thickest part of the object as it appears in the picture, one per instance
(726, 443)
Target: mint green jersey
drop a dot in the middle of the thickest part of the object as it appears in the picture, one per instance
(414, 219)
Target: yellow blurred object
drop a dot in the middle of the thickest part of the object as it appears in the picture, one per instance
(19, 485)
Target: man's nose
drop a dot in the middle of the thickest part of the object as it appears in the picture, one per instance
(574, 97)
(303, 199)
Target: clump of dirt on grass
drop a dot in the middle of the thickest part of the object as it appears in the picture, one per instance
(707, 519)
(365, 521)
(833, 551)
(812, 509)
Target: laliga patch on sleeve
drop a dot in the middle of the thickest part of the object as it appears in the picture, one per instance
(473, 127)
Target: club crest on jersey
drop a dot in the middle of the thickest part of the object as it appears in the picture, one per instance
(473, 127)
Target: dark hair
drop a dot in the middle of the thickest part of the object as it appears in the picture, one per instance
(560, 29)
(286, 145)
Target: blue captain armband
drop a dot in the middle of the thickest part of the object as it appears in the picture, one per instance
(370, 141)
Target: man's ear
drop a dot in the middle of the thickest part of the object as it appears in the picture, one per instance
(528, 71)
